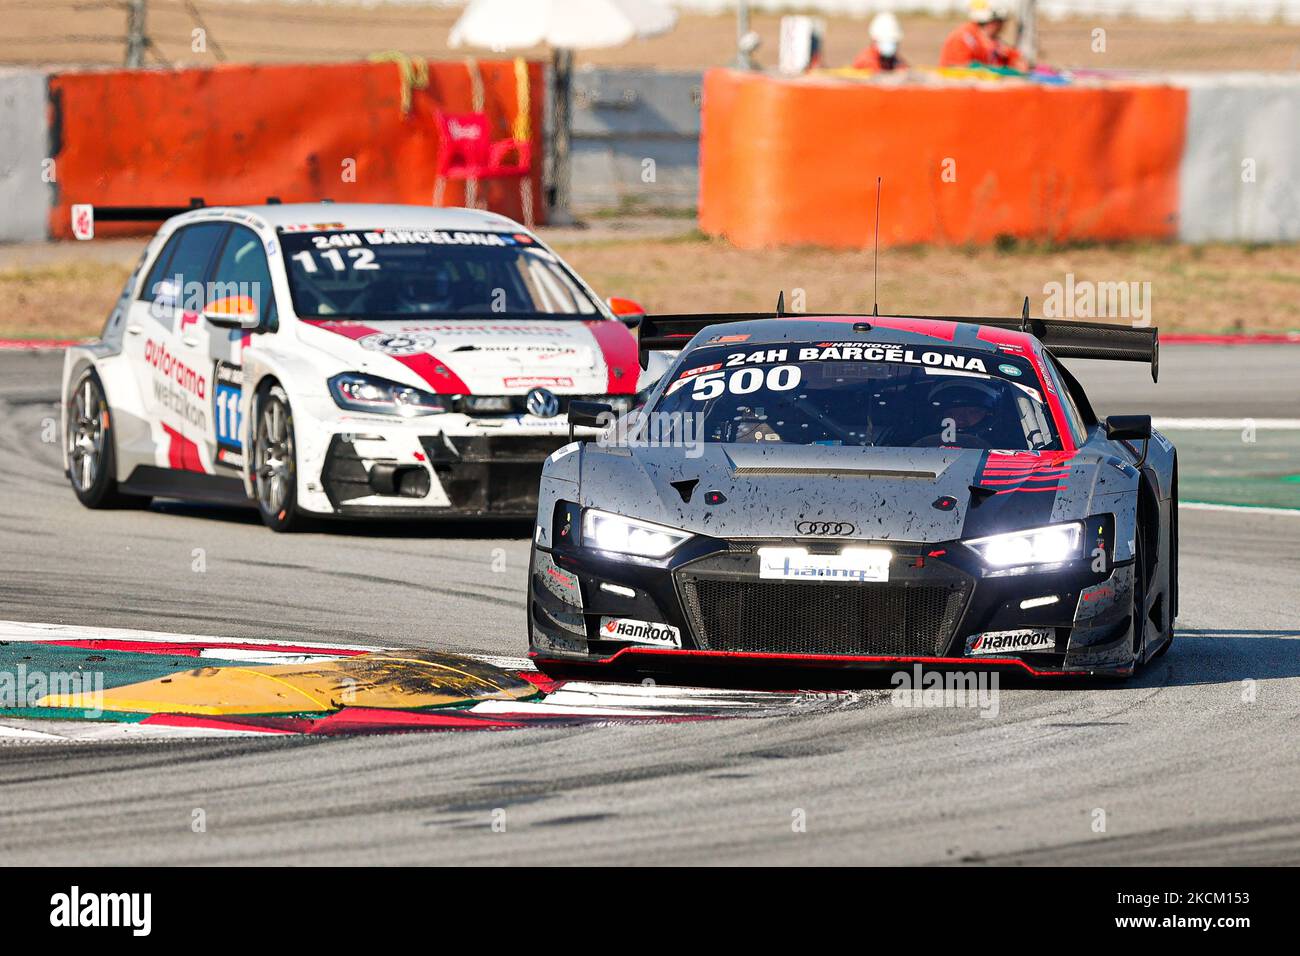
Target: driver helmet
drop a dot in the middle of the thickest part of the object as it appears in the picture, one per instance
(425, 292)
(950, 396)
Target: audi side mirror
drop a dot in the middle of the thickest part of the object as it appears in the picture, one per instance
(1128, 427)
(589, 414)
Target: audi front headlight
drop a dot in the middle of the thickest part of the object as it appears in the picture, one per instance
(611, 532)
(1054, 544)
(369, 393)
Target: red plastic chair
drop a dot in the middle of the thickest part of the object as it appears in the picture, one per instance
(467, 151)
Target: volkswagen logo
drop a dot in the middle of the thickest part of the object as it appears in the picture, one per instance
(825, 529)
(542, 403)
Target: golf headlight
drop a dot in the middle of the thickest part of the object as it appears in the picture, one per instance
(1051, 545)
(367, 393)
(611, 532)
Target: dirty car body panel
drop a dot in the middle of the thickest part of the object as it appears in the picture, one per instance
(827, 512)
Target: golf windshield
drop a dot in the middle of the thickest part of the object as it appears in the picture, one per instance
(378, 274)
(855, 393)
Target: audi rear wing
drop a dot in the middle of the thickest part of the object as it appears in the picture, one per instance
(1064, 338)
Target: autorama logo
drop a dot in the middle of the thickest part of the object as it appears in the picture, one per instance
(397, 343)
(172, 368)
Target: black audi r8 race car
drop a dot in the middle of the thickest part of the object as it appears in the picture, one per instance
(861, 492)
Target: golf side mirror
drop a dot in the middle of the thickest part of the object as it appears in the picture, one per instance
(629, 311)
(232, 312)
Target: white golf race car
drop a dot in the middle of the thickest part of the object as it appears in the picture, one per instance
(348, 360)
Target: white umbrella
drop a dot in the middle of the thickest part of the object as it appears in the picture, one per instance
(560, 24)
(564, 26)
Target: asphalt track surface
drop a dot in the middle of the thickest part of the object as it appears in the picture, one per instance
(1184, 767)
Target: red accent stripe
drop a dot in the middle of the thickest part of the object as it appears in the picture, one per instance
(432, 370)
(1044, 470)
(1009, 478)
(935, 328)
(268, 725)
(370, 720)
(1012, 491)
(435, 372)
(619, 350)
(810, 659)
(546, 685)
(182, 453)
(37, 345)
(1021, 340)
(1018, 480)
(354, 720)
(349, 720)
(1028, 344)
(947, 330)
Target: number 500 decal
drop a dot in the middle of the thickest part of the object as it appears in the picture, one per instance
(780, 378)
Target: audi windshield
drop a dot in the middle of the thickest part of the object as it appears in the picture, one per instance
(378, 274)
(854, 393)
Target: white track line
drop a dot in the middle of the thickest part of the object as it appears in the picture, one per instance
(37, 632)
(1226, 424)
(31, 631)
(1247, 509)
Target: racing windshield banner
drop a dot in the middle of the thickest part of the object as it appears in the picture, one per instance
(788, 360)
(353, 239)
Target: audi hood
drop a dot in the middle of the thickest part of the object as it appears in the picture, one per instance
(884, 494)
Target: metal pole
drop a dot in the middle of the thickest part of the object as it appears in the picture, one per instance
(562, 125)
(135, 35)
(743, 60)
(1027, 33)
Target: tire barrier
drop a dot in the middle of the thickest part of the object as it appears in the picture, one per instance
(787, 162)
(238, 134)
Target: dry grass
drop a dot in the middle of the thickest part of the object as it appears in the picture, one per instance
(1193, 288)
(59, 300)
(75, 31)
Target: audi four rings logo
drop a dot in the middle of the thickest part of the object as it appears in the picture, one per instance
(825, 528)
(542, 403)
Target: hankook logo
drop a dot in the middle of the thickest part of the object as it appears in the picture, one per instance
(542, 403)
(825, 528)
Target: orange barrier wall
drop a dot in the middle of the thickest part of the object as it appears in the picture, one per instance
(237, 134)
(795, 161)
